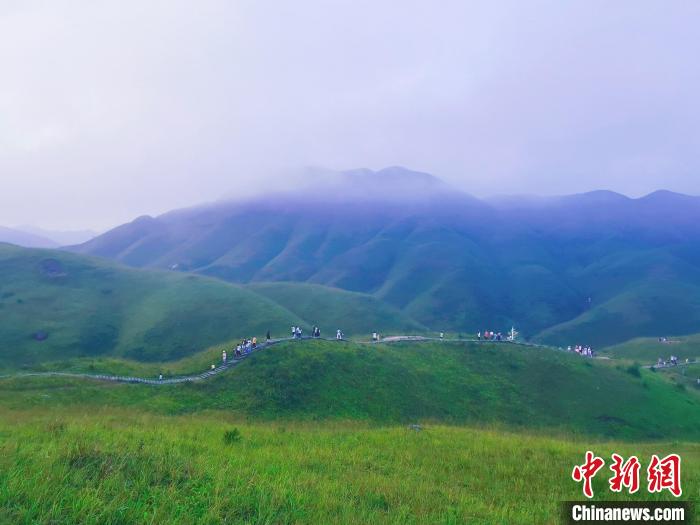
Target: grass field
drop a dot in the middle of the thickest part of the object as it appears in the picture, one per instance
(457, 383)
(648, 350)
(124, 466)
(321, 432)
(58, 306)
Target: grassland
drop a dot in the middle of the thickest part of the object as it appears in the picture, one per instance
(455, 383)
(57, 306)
(649, 349)
(124, 466)
(321, 432)
(354, 313)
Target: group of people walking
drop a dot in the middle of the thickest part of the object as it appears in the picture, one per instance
(672, 361)
(585, 351)
(489, 336)
(298, 332)
(245, 347)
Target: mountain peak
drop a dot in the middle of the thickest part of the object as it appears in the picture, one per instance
(666, 196)
(393, 178)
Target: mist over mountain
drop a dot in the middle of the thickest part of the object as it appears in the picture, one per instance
(597, 267)
(34, 237)
(25, 239)
(60, 237)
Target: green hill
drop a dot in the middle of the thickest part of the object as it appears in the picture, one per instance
(648, 350)
(56, 306)
(458, 383)
(645, 309)
(354, 313)
(596, 268)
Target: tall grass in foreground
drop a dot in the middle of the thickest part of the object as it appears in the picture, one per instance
(120, 466)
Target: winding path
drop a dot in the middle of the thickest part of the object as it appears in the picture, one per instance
(235, 361)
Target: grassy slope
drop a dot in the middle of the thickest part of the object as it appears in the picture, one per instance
(648, 309)
(91, 307)
(457, 383)
(119, 466)
(650, 349)
(354, 313)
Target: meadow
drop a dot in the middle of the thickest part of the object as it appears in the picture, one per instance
(126, 466)
(57, 306)
(650, 349)
(455, 383)
(336, 432)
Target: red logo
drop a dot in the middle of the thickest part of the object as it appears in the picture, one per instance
(587, 472)
(625, 474)
(662, 474)
(665, 474)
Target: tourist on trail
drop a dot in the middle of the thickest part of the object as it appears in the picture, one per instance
(255, 342)
(339, 335)
(317, 332)
(294, 332)
(442, 335)
(299, 332)
(374, 336)
(267, 336)
(213, 367)
(223, 356)
(160, 377)
(478, 336)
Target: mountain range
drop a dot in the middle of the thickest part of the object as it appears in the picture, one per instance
(595, 268)
(33, 237)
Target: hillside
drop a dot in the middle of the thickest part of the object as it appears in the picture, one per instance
(117, 466)
(330, 308)
(596, 268)
(650, 349)
(459, 383)
(56, 306)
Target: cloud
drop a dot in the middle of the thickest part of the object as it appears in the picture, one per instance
(109, 110)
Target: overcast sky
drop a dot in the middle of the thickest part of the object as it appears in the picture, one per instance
(109, 110)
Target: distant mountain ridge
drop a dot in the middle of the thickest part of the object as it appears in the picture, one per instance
(25, 239)
(33, 237)
(593, 267)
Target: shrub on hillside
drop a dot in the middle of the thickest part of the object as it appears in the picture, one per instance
(634, 371)
(232, 436)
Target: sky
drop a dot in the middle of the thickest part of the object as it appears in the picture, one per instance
(114, 109)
